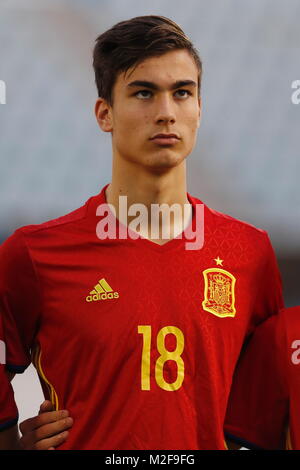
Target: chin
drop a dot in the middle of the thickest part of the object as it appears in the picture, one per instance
(165, 159)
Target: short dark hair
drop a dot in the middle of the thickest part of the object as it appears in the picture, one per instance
(130, 42)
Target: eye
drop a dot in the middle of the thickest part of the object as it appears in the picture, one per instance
(143, 94)
(183, 93)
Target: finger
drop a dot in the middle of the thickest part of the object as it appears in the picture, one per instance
(46, 431)
(46, 406)
(53, 429)
(31, 424)
(38, 438)
(44, 444)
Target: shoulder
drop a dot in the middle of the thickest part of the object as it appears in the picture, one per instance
(276, 328)
(237, 230)
(65, 221)
(291, 319)
(17, 246)
(286, 323)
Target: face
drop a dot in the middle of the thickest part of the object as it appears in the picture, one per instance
(151, 102)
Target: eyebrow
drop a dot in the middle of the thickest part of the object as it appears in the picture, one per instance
(154, 86)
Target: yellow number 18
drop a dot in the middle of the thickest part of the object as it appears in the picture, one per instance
(165, 355)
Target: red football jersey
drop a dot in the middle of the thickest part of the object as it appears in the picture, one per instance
(137, 340)
(6, 391)
(264, 409)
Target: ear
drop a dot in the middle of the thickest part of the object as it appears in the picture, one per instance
(200, 111)
(103, 113)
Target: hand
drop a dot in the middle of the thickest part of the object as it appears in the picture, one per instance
(47, 430)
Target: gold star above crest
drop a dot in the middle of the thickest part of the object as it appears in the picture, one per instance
(219, 261)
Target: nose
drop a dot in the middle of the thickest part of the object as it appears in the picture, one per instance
(165, 110)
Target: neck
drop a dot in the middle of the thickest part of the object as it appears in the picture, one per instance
(147, 188)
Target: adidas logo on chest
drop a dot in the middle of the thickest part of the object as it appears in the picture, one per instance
(102, 291)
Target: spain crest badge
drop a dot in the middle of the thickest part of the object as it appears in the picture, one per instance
(219, 292)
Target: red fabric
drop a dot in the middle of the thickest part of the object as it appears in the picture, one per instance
(92, 350)
(292, 356)
(8, 409)
(264, 403)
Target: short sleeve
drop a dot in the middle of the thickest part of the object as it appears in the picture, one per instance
(20, 301)
(269, 298)
(257, 412)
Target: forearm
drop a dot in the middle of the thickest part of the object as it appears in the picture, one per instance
(10, 439)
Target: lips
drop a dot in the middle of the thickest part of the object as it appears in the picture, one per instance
(165, 139)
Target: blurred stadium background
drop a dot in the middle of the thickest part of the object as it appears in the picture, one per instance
(246, 163)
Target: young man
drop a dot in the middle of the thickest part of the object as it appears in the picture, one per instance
(264, 409)
(137, 337)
